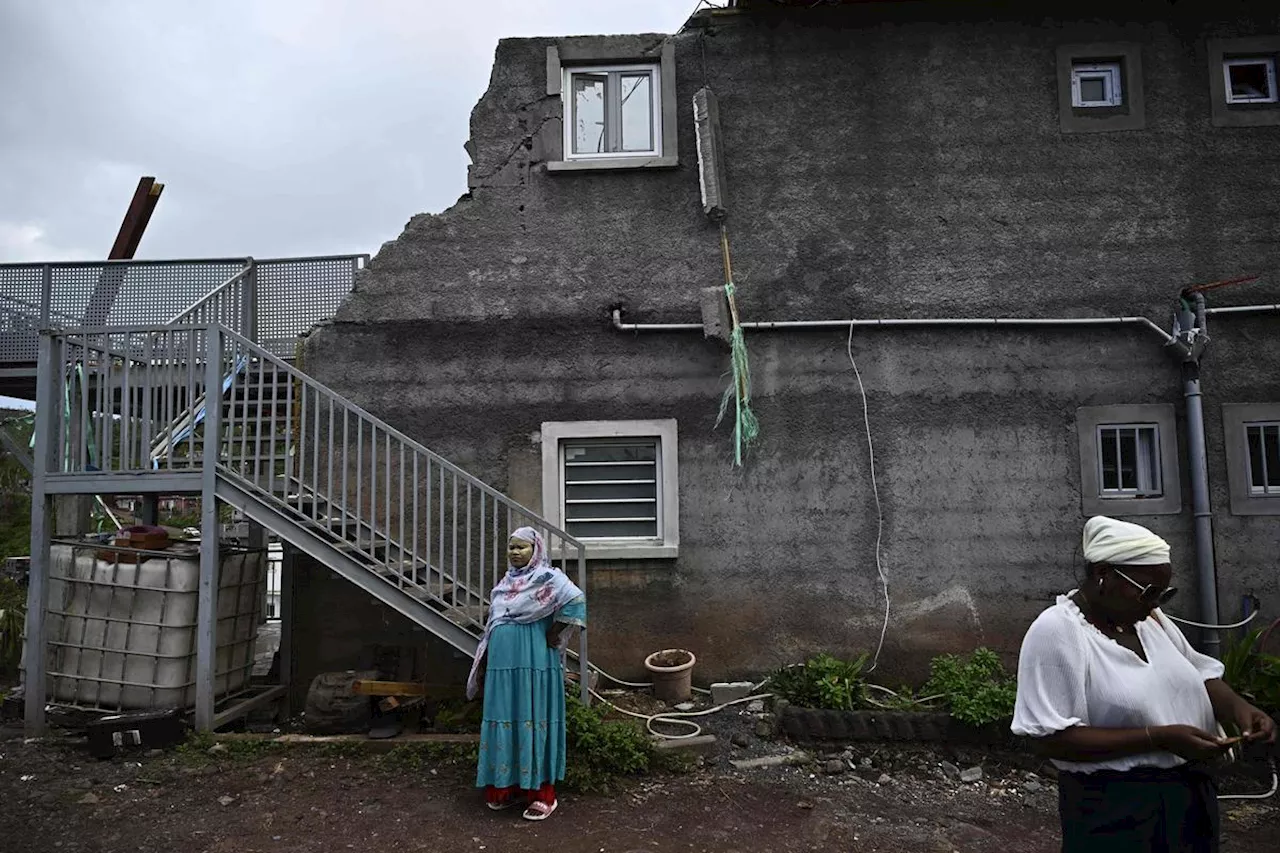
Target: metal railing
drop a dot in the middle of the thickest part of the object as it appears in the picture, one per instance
(134, 402)
(273, 301)
(232, 304)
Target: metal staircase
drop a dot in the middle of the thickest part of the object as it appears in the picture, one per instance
(197, 406)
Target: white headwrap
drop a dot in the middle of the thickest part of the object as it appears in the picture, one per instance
(1107, 540)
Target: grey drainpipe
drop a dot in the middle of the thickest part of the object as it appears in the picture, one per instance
(1197, 463)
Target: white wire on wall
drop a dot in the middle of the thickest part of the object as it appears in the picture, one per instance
(875, 491)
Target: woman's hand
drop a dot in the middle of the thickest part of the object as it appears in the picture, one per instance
(1255, 724)
(1188, 742)
(553, 635)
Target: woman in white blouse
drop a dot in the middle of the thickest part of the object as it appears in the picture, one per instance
(1125, 707)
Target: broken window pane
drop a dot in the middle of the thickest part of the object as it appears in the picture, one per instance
(589, 113)
(1251, 80)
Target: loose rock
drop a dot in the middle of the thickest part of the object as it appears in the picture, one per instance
(972, 774)
(685, 706)
(764, 728)
(833, 766)
(224, 800)
(1031, 786)
(217, 748)
(884, 779)
(771, 760)
(756, 707)
(949, 770)
(740, 739)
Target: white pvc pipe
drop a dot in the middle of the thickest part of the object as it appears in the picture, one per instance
(762, 325)
(1243, 309)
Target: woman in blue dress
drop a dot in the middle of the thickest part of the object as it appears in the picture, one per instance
(519, 661)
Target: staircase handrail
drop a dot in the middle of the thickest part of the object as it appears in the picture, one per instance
(218, 292)
(283, 366)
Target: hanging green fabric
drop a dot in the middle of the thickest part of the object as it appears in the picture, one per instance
(746, 429)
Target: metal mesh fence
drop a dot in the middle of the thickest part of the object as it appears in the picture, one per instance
(293, 295)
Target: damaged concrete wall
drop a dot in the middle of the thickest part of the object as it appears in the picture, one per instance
(875, 168)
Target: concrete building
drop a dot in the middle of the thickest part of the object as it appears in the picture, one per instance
(910, 160)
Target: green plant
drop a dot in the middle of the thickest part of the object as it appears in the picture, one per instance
(822, 681)
(420, 756)
(977, 689)
(13, 619)
(458, 716)
(600, 751)
(1252, 672)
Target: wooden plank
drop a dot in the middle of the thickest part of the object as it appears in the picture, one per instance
(389, 688)
(302, 740)
(406, 688)
(367, 743)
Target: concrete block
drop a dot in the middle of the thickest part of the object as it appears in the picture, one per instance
(716, 323)
(700, 745)
(730, 691)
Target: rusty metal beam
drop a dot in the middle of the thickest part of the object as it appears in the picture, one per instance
(136, 217)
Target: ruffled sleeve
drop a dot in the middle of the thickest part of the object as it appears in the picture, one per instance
(1209, 668)
(573, 613)
(1052, 668)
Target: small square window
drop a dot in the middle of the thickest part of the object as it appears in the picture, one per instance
(1242, 82)
(1100, 87)
(613, 112)
(1262, 445)
(1250, 80)
(612, 486)
(1096, 84)
(1129, 461)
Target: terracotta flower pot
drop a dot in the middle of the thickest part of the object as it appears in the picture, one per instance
(672, 671)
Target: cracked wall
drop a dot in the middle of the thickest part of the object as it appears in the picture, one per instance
(875, 168)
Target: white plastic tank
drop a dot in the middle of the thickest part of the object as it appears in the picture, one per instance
(123, 634)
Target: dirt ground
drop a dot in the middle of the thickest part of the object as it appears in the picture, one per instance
(55, 797)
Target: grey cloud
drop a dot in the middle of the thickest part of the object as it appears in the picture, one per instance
(279, 128)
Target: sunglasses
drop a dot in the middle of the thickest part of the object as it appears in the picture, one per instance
(1149, 593)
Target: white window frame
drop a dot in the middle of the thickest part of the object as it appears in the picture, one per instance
(1269, 62)
(655, 118)
(1111, 72)
(1143, 468)
(666, 545)
(1255, 491)
(1236, 420)
(1093, 500)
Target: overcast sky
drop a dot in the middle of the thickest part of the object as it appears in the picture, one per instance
(279, 127)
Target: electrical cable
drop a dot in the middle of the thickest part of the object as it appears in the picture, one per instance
(1275, 784)
(1239, 624)
(677, 717)
(875, 491)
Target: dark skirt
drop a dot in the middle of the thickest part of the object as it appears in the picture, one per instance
(1144, 810)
